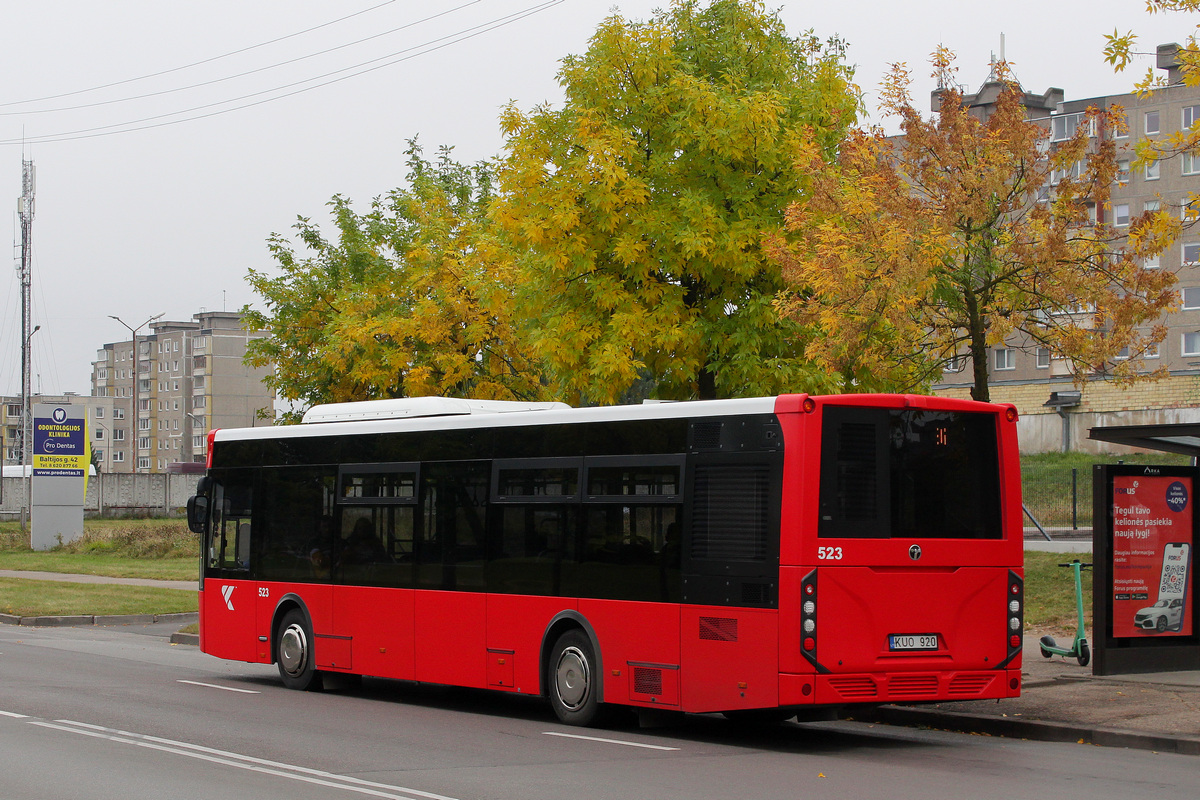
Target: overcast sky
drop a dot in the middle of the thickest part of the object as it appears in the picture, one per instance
(171, 139)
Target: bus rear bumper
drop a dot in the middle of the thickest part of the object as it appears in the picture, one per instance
(914, 687)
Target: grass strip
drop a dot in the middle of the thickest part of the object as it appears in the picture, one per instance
(27, 598)
(1050, 591)
(167, 569)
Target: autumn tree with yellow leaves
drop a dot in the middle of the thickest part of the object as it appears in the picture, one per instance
(962, 234)
(407, 301)
(636, 212)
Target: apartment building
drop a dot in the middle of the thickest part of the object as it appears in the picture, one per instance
(184, 379)
(1055, 413)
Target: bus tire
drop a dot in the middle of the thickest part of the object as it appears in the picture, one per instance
(573, 679)
(294, 653)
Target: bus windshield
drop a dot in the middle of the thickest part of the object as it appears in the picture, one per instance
(909, 473)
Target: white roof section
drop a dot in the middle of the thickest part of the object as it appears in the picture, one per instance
(554, 414)
(411, 407)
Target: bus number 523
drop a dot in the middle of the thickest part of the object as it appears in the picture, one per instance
(829, 553)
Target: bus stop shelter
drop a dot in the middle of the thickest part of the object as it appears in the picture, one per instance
(1181, 437)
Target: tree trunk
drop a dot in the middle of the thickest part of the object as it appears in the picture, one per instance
(978, 347)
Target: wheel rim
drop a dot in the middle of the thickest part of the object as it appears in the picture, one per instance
(573, 678)
(293, 650)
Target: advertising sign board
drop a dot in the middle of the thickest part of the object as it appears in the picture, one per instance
(61, 457)
(1144, 598)
(1151, 557)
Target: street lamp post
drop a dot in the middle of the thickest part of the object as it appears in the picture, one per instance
(203, 425)
(27, 430)
(137, 376)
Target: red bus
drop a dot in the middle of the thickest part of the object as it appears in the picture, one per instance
(762, 557)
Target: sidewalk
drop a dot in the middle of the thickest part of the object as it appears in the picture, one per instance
(1063, 702)
(1060, 700)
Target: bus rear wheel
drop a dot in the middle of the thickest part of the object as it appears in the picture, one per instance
(294, 653)
(573, 679)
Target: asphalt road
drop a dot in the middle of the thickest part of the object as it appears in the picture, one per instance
(114, 713)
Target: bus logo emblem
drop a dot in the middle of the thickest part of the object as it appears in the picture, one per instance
(227, 593)
(914, 552)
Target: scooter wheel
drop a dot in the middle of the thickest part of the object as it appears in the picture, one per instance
(1085, 654)
(1046, 641)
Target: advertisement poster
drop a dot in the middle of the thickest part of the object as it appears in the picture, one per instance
(60, 445)
(1152, 556)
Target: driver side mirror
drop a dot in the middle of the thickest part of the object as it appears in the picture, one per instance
(197, 513)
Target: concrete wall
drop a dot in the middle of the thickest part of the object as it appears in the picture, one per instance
(116, 494)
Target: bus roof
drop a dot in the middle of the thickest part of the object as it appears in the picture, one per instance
(438, 413)
(544, 414)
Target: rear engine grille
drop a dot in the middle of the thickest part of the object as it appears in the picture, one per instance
(647, 681)
(970, 685)
(719, 629)
(913, 685)
(853, 687)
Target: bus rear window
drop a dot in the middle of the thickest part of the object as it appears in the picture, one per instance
(909, 473)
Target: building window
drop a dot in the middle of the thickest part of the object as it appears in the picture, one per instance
(1152, 170)
(1006, 358)
(1191, 254)
(1123, 171)
(143, 463)
(118, 456)
(1151, 122)
(1191, 297)
(1042, 358)
(1063, 126)
(197, 442)
(1152, 262)
(118, 413)
(1191, 163)
(99, 433)
(199, 401)
(1191, 344)
(1070, 171)
(955, 364)
(119, 434)
(1121, 215)
(99, 455)
(143, 424)
(1151, 351)
(143, 443)
(99, 413)
(1190, 115)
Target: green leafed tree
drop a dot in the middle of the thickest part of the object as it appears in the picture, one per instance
(635, 213)
(406, 301)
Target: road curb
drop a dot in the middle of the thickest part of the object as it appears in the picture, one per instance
(101, 620)
(1037, 730)
(185, 638)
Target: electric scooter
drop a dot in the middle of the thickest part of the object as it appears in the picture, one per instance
(1079, 649)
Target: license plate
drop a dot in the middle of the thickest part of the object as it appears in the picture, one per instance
(913, 641)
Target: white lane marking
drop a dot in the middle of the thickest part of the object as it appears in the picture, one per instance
(240, 761)
(608, 741)
(11, 714)
(215, 686)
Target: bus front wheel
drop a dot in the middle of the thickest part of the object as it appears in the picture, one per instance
(573, 679)
(294, 651)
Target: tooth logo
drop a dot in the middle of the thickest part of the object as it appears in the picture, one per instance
(227, 593)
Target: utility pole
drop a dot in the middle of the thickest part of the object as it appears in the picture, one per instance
(25, 270)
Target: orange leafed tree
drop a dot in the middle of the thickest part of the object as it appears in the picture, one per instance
(965, 233)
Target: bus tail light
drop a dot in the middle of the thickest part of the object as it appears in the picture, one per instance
(1015, 615)
(809, 603)
(809, 405)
